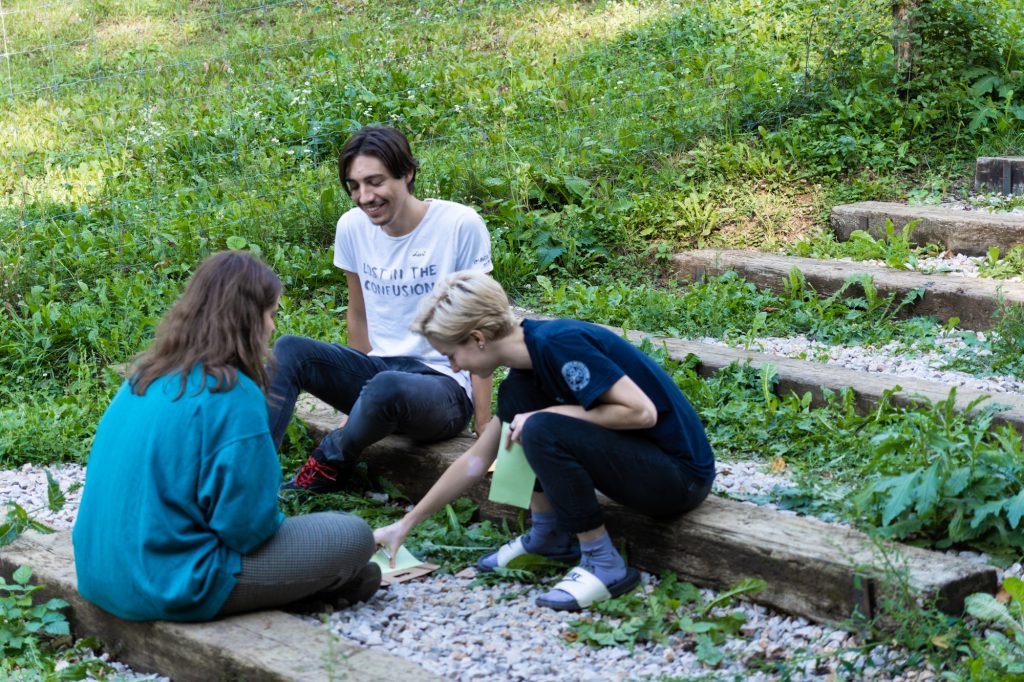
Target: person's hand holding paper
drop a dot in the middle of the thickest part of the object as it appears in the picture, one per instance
(513, 478)
(392, 562)
(390, 538)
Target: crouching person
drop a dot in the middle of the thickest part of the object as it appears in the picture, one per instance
(590, 411)
(179, 517)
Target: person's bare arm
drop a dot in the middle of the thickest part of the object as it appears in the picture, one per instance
(624, 406)
(469, 468)
(481, 402)
(358, 337)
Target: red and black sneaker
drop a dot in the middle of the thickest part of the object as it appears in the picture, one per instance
(317, 475)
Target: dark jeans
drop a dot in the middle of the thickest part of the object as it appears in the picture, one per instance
(572, 457)
(381, 396)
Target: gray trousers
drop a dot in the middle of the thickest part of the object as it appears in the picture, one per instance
(308, 556)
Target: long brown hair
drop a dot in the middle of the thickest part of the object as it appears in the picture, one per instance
(217, 323)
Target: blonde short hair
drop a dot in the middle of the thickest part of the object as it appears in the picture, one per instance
(462, 302)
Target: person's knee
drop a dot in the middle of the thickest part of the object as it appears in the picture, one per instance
(537, 433)
(288, 351)
(385, 389)
(353, 537)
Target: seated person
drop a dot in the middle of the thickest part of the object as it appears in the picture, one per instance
(179, 518)
(393, 248)
(590, 411)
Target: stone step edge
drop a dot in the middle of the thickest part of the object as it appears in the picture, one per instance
(973, 301)
(816, 570)
(968, 232)
(265, 646)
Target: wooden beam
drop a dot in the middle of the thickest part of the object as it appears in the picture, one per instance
(1003, 174)
(813, 569)
(968, 232)
(267, 646)
(973, 301)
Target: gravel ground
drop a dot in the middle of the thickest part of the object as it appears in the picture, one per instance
(985, 203)
(957, 265)
(892, 358)
(481, 633)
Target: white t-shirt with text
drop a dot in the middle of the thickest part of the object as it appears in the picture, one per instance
(397, 272)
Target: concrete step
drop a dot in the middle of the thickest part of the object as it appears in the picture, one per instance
(1003, 174)
(813, 569)
(967, 232)
(268, 646)
(973, 301)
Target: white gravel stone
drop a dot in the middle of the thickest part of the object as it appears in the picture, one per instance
(888, 359)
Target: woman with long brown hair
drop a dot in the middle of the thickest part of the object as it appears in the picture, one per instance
(179, 518)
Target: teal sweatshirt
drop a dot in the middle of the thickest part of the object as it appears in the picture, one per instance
(176, 491)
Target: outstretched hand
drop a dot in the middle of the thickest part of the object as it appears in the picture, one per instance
(391, 538)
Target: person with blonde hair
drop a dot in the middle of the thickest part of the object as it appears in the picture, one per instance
(179, 518)
(590, 410)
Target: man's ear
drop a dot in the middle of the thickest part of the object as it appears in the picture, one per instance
(477, 336)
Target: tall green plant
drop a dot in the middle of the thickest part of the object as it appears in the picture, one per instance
(944, 480)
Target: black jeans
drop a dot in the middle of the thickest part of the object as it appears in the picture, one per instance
(381, 396)
(572, 457)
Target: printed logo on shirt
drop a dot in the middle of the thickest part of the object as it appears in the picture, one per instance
(576, 374)
(418, 253)
(414, 280)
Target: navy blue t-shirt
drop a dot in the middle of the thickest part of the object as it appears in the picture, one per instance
(575, 363)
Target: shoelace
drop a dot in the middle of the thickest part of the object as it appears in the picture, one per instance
(311, 469)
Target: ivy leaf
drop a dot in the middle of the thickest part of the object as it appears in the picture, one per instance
(57, 628)
(22, 575)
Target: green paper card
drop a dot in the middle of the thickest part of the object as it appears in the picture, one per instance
(403, 561)
(513, 478)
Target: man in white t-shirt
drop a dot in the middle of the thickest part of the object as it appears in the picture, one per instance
(393, 248)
